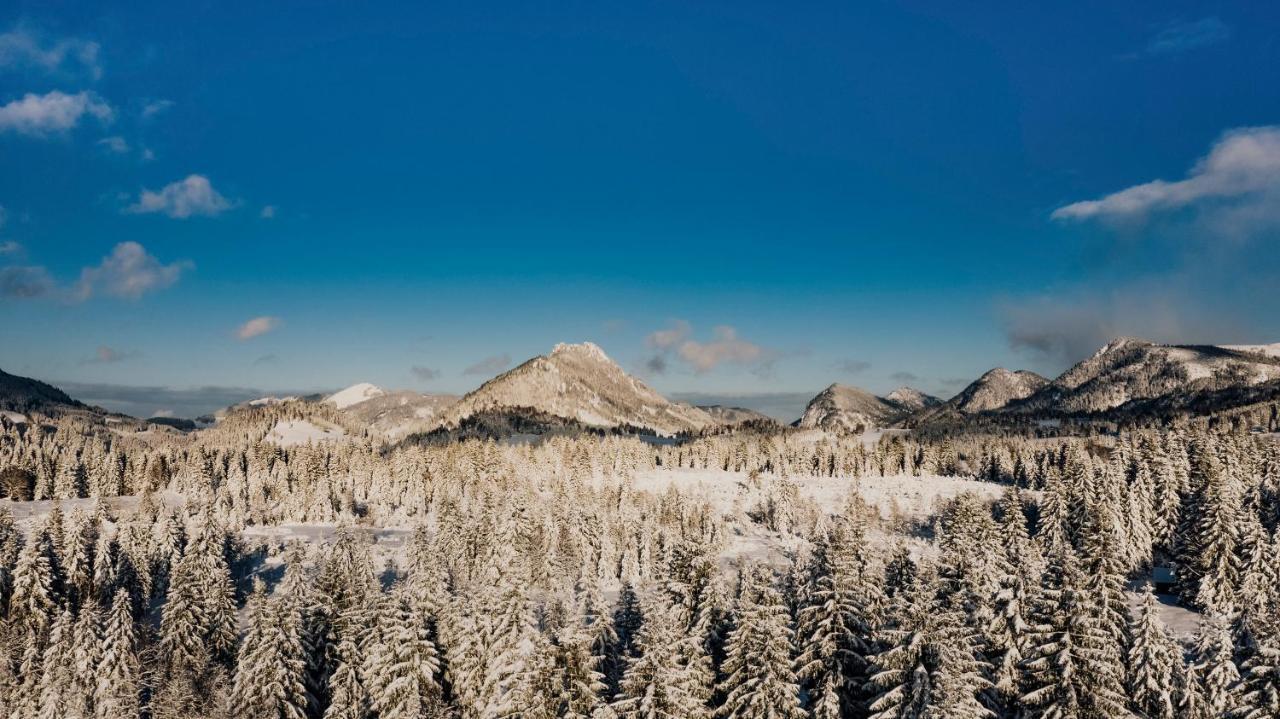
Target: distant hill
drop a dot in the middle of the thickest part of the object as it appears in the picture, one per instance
(730, 416)
(910, 399)
(23, 395)
(579, 382)
(1129, 374)
(848, 410)
(397, 413)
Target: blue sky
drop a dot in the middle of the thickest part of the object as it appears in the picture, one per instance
(730, 198)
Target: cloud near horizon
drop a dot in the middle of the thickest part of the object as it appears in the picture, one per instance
(189, 197)
(724, 348)
(108, 355)
(257, 327)
(53, 113)
(424, 374)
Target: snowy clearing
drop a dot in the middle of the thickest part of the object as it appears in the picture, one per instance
(288, 433)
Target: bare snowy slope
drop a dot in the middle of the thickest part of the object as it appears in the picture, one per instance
(1129, 370)
(354, 394)
(848, 410)
(580, 382)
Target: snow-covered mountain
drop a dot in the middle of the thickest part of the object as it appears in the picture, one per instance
(995, 390)
(397, 413)
(580, 382)
(911, 399)
(848, 410)
(354, 394)
(730, 416)
(1129, 371)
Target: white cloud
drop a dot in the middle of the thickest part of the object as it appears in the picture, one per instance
(670, 337)
(54, 112)
(268, 212)
(21, 48)
(115, 144)
(182, 199)
(9, 247)
(257, 327)
(1235, 188)
(726, 347)
(128, 272)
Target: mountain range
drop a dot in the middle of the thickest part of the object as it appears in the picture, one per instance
(579, 386)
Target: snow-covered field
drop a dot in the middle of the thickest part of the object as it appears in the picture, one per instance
(288, 433)
(909, 496)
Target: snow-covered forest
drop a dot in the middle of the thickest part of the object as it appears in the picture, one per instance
(772, 574)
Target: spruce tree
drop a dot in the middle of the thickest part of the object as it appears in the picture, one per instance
(759, 682)
(1154, 662)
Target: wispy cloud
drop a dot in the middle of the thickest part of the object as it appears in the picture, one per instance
(725, 347)
(24, 283)
(268, 212)
(266, 360)
(1181, 36)
(24, 48)
(424, 374)
(904, 377)
(257, 327)
(489, 365)
(184, 198)
(108, 355)
(115, 144)
(52, 113)
(155, 107)
(665, 339)
(852, 366)
(9, 247)
(1234, 191)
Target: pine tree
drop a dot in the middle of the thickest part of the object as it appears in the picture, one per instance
(759, 682)
(1072, 672)
(117, 692)
(1260, 682)
(270, 671)
(1154, 662)
(655, 685)
(929, 666)
(348, 698)
(1216, 668)
(402, 665)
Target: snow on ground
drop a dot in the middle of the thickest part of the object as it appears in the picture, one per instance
(355, 394)
(1182, 622)
(911, 496)
(14, 417)
(1271, 350)
(288, 433)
